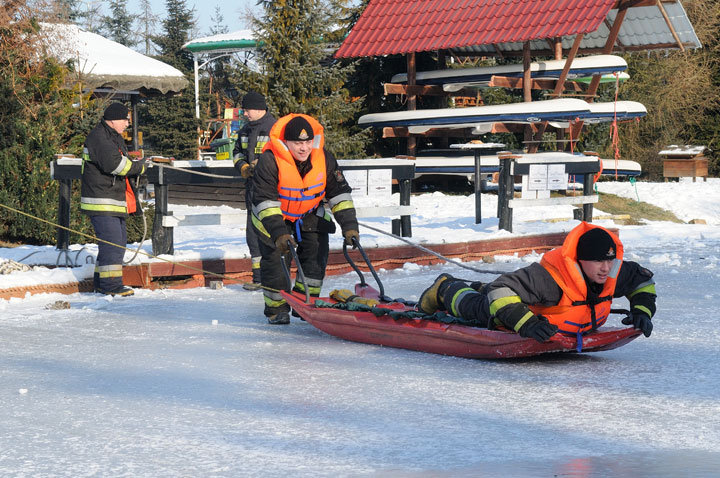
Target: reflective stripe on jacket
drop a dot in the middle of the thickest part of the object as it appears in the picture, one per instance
(575, 313)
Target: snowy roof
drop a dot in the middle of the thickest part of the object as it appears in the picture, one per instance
(686, 150)
(103, 63)
(234, 41)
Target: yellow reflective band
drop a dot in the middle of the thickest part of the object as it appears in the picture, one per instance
(256, 265)
(342, 205)
(269, 212)
(124, 171)
(502, 302)
(522, 321)
(650, 289)
(103, 207)
(274, 303)
(453, 310)
(643, 309)
(259, 226)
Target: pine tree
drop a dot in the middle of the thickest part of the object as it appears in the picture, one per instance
(176, 32)
(146, 22)
(118, 25)
(69, 11)
(298, 76)
(169, 123)
(35, 117)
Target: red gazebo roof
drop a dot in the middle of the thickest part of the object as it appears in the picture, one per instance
(389, 27)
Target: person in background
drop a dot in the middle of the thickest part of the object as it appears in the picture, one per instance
(108, 195)
(294, 178)
(570, 291)
(252, 137)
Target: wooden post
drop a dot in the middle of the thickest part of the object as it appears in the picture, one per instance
(411, 99)
(558, 48)
(527, 74)
(133, 105)
(587, 191)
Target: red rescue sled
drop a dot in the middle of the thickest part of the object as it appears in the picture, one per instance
(431, 336)
(445, 339)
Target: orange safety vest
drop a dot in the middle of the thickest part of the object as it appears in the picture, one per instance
(298, 195)
(573, 314)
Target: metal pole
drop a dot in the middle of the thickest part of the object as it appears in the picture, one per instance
(478, 188)
(162, 237)
(197, 87)
(404, 186)
(508, 190)
(64, 195)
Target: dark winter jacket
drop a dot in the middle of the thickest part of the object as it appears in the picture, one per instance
(266, 198)
(510, 294)
(106, 166)
(251, 139)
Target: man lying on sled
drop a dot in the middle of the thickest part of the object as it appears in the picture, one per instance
(569, 291)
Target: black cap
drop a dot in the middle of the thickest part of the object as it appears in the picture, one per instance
(116, 111)
(298, 129)
(253, 101)
(596, 245)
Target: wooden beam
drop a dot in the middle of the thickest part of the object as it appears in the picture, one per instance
(610, 44)
(424, 90)
(670, 25)
(535, 144)
(537, 84)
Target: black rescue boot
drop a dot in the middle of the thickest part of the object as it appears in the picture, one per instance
(431, 300)
(122, 291)
(281, 318)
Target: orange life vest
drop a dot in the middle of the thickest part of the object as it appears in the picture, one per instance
(298, 195)
(574, 314)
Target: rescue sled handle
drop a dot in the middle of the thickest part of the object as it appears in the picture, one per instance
(356, 244)
(300, 273)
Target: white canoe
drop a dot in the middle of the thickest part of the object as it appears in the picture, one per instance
(581, 67)
(559, 112)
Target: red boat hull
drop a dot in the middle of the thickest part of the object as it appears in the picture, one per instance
(446, 339)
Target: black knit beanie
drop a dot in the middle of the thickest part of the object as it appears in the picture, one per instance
(298, 129)
(116, 111)
(596, 245)
(254, 101)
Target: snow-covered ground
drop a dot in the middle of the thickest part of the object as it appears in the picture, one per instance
(152, 386)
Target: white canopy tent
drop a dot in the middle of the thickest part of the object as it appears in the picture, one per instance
(108, 68)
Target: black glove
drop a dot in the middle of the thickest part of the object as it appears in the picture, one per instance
(247, 170)
(349, 235)
(284, 243)
(640, 322)
(538, 328)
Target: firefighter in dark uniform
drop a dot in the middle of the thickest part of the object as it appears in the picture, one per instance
(295, 180)
(569, 291)
(108, 195)
(251, 139)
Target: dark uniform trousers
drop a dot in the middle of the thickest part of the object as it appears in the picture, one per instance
(251, 236)
(312, 252)
(108, 266)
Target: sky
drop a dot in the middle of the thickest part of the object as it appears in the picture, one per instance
(195, 382)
